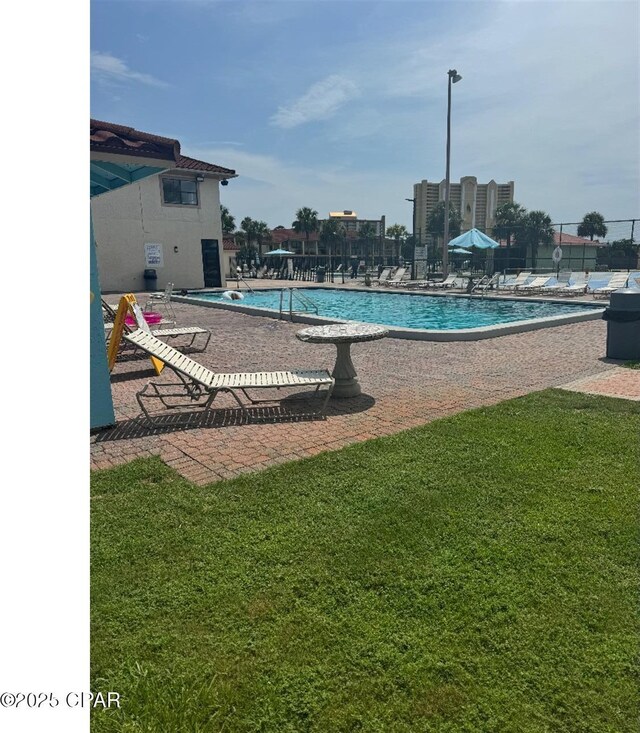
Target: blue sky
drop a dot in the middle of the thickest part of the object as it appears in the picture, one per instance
(343, 105)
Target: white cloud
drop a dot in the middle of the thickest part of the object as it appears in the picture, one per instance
(106, 67)
(271, 189)
(321, 101)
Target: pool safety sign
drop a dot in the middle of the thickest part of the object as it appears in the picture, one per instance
(556, 255)
(153, 255)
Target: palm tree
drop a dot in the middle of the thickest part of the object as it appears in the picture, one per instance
(592, 225)
(332, 234)
(536, 229)
(509, 218)
(262, 234)
(399, 233)
(367, 233)
(435, 221)
(248, 226)
(307, 222)
(228, 222)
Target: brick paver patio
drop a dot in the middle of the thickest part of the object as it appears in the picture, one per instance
(404, 383)
(617, 382)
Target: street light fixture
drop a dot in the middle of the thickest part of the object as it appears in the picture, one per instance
(454, 77)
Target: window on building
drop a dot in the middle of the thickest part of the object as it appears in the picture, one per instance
(180, 191)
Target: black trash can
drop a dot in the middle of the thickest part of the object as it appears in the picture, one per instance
(623, 324)
(320, 275)
(150, 280)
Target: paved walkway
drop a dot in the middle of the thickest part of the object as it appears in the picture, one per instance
(405, 384)
(618, 382)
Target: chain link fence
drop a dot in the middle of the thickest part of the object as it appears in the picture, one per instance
(619, 249)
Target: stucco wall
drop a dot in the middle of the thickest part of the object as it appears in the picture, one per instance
(129, 217)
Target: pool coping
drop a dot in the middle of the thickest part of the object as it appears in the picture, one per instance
(416, 334)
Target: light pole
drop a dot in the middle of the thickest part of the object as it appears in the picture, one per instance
(453, 78)
(413, 264)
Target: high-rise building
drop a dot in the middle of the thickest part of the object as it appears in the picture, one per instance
(476, 202)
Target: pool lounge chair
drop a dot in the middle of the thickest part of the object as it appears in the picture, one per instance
(534, 286)
(161, 333)
(618, 280)
(382, 277)
(563, 280)
(200, 385)
(398, 277)
(448, 282)
(521, 279)
(578, 285)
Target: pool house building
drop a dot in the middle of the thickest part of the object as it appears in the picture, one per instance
(169, 222)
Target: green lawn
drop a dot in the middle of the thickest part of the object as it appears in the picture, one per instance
(476, 574)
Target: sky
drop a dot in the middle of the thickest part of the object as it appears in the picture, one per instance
(342, 105)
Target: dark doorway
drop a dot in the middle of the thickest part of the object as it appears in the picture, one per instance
(211, 263)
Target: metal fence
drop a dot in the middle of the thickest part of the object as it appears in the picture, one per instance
(618, 250)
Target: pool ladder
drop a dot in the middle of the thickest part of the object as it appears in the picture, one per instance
(307, 305)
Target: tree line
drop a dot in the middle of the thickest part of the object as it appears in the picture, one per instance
(252, 233)
(513, 223)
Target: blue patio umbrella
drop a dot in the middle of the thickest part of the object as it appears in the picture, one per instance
(279, 252)
(474, 238)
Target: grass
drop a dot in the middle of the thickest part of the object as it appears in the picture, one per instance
(632, 364)
(476, 574)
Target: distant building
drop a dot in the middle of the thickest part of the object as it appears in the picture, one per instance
(476, 202)
(354, 246)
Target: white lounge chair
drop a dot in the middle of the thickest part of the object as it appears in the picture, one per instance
(534, 286)
(448, 282)
(398, 277)
(577, 285)
(201, 385)
(563, 280)
(617, 280)
(161, 333)
(382, 277)
(521, 279)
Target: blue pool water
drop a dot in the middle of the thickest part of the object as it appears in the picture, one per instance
(443, 313)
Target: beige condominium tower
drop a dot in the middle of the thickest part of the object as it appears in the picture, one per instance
(476, 202)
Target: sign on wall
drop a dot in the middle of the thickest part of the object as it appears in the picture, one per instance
(420, 253)
(153, 255)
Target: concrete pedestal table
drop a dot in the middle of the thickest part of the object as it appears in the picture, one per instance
(343, 335)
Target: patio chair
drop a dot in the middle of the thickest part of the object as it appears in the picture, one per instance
(534, 286)
(448, 282)
(161, 333)
(159, 300)
(382, 277)
(578, 285)
(398, 277)
(199, 385)
(521, 279)
(617, 280)
(563, 280)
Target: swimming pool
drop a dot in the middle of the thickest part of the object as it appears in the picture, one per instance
(411, 314)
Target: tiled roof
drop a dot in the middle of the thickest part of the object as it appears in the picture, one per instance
(568, 240)
(111, 138)
(571, 240)
(228, 245)
(200, 165)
